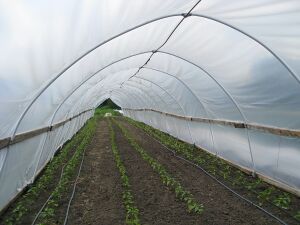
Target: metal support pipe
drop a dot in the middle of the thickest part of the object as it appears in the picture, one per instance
(183, 111)
(228, 95)
(281, 61)
(78, 59)
(194, 95)
(163, 101)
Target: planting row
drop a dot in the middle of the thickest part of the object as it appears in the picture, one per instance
(166, 178)
(132, 213)
(54, 180)
(152, 187)
(49, 214)
(283, 204)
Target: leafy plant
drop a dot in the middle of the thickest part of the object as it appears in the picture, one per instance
(49, 212)
(132, 212)
(265, 195)
(166, 178)
(297, 216)
(22, 207)
(283, 201)
(219, 167)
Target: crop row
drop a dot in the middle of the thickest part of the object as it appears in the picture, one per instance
(166, 178)
(132, 212)
(264, 193)
(48, 214)
(23, 205)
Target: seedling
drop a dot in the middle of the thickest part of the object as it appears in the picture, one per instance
(297, 216)
(265, 195)
(283, 201)
(132, 212)
(167, 179)
(217, 166)
(23, 206)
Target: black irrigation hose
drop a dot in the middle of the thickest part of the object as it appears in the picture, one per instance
(42, 208)
(49, 198)
(266, 200)
(72, 196)
(74, 188)
(218, 181)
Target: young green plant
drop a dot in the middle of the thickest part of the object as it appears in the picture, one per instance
(166, 178)
(132, 212)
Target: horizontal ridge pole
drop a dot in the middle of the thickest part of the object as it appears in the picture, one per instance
(5, 142)
(235, 124)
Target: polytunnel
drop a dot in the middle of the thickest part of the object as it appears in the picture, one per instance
(224, 76)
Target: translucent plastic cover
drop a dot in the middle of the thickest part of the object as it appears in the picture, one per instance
(237, 62)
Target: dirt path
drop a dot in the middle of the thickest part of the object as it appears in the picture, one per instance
(221, 206)
(98, 198)
(157, 204)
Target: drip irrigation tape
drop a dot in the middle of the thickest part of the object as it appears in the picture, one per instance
(218, 181)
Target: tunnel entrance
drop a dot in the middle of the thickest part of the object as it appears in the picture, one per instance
(109, 104)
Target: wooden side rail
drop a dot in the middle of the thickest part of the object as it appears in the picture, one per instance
(5, 142)
(232, 123)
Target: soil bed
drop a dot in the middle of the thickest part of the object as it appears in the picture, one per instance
(32, 211)
(221, 206)
(156, 203)
(98, 193)
(98, 196)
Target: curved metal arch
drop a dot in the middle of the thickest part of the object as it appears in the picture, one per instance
(137, 96)
(171, 97)
(161, 89)
(138, 88)
(180, 81)
(282, 62)
(151, 88)
(176, 56)
(225, 91)
(60, 105)
(195, 96)
(129, 93)
(165, 103)
(115, 87)
(105, 82)
(132, 86)
(162, 100)
(105, 77)
(109, 93)
(218, 84)
(135, 27)
(117, 92)
(81, 57)
(215, 81)
(144, 92)
(94, 74)
(70, 94)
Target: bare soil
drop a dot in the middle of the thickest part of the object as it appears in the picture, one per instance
(221, 206)
(98, 198)
(32, 211)
(157, 204)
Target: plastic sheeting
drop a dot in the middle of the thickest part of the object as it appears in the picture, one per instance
(237, 61)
